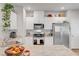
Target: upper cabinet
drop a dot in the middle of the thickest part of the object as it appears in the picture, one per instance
(29, 23)
(50, 20)
(38, 13)
(29, 13)
(45, 17)
(38, 16)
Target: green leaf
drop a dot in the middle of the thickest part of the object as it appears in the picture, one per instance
(6, 14)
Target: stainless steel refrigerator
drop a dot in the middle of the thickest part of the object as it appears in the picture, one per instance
(61, 33)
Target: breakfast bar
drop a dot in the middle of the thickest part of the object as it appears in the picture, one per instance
(40, 50)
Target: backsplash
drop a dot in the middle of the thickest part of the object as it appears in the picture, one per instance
(47, 32)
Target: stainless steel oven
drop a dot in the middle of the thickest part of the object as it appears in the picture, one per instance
(38, 35)
(38, 41)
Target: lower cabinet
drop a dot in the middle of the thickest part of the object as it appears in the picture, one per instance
(28, 41)
(48, 41)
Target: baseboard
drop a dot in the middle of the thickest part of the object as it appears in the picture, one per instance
(75, 48)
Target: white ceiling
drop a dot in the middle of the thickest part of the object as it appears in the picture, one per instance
(49, 6)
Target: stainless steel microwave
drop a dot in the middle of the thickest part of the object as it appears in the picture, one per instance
(38, 26)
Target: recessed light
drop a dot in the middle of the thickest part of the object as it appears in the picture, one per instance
(62, 8)
(28, 8)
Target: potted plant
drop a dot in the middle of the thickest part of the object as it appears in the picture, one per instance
(6, 10)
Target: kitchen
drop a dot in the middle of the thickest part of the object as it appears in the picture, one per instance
(42, 22)
(46, 24)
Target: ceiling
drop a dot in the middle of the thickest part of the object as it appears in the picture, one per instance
(49, 6)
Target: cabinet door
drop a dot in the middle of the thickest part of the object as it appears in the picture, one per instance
(48, 23)
(28, 41)
(48, 41)
(38, 16)
(29, 22)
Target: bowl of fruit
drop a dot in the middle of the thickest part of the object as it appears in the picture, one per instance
(15, 50)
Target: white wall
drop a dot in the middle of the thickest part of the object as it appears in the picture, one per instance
(19, 12)
(1, 33)
(73, 18)
(13, 21)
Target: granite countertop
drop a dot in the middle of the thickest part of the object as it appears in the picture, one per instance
(55, 50)
(48, 33)
(40, 50)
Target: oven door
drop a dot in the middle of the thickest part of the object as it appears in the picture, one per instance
(38, 35)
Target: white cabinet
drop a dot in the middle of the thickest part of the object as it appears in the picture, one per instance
(29, 22)
(36, 20)
(59, 19)
(38, 17)
(38, 14)
(48, 23)
(28, 41)
(48, 41)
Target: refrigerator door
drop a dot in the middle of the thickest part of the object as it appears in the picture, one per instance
(61, 34)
